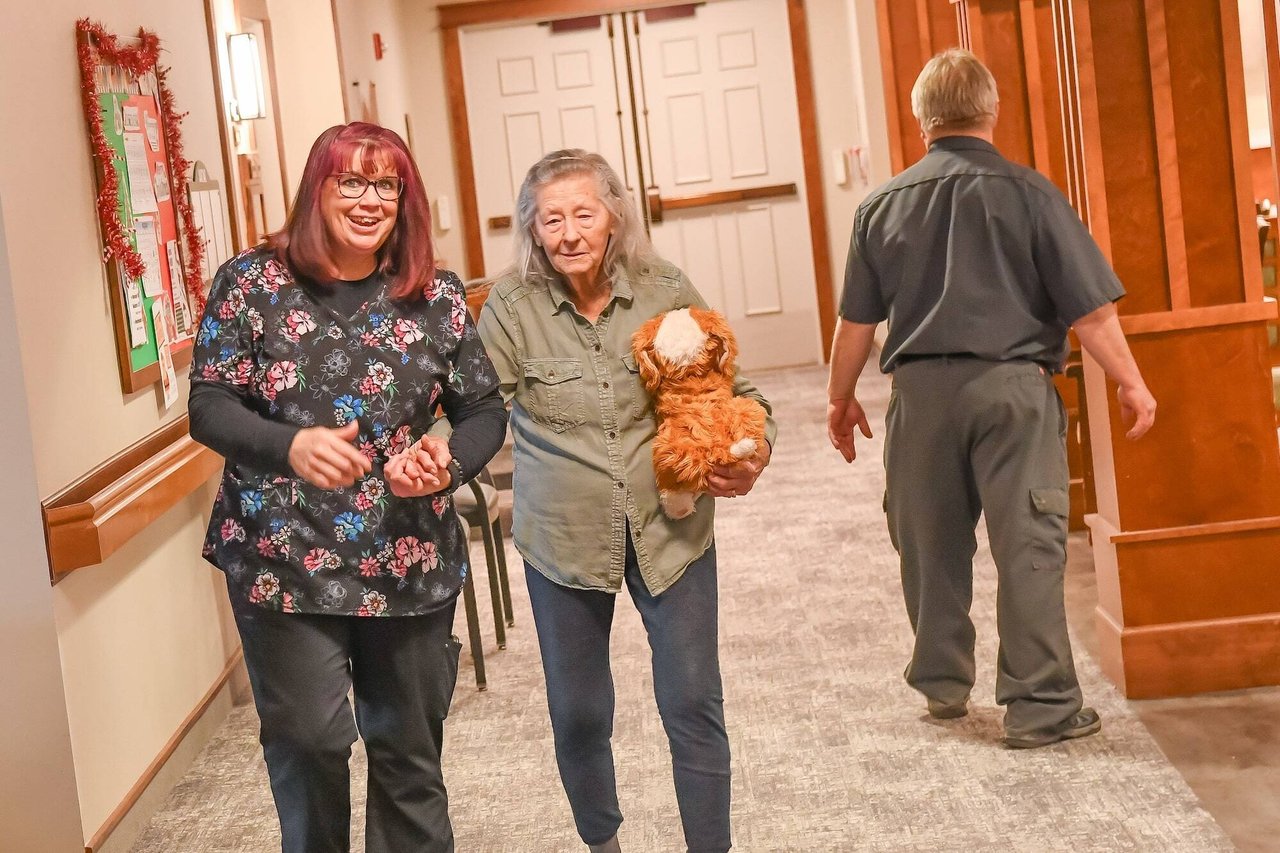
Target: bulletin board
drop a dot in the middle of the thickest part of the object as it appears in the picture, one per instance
(152, 249)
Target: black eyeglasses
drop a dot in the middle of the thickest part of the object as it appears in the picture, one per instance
(351, 185)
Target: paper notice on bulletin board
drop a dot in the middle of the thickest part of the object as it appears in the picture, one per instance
(142, 196)
(137, 315)
(149, 248)
(168, 376)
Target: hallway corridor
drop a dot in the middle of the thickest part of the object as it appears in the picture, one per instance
(831, 751)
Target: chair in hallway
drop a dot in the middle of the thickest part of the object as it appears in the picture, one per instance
(478, 505)
(473, 619)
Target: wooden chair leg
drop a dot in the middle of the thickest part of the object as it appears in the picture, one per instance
(473, 630)
(495, 592)
(502, 573)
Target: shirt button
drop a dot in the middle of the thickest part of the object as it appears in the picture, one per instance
(605, 384)
(598, 348)
(620, 484)
(612, 434)
(551, 373)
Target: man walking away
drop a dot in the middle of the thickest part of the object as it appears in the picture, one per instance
(980, 267)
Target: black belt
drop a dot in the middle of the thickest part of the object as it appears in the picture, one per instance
(968, 356)
(903, 359)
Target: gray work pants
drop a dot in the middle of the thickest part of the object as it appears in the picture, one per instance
(966, 436)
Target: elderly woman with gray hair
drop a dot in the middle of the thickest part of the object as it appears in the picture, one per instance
(558, 328)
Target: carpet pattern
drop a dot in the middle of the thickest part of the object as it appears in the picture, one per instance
(831, 750)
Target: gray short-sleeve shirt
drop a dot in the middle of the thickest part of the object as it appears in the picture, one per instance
(968, 253)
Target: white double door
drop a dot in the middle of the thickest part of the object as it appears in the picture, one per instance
(697, 110)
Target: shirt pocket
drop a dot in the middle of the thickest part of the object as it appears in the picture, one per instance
(554, 395)
(641, 402)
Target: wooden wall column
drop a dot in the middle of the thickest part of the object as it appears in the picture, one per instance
(1187, 534)
(911, 31)
(1020, 41)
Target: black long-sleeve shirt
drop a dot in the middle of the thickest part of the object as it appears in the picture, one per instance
(222, 419)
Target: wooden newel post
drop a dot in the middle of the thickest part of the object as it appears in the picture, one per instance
(1187, 534)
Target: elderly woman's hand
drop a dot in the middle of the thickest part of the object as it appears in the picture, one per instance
(327, 458)
(731, 481)
(420, 470)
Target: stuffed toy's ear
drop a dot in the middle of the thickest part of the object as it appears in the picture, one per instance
(642, 348)
(723, 342)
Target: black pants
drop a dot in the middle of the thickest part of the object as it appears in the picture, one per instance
(403, 671)
(573, 635)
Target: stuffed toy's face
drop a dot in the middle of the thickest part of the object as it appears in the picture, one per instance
(685, 342)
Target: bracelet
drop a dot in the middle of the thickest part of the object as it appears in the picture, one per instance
(455, 477)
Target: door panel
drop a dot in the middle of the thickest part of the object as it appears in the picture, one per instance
(530, 91)
(714, 112)
(745, 124)
(725, 121)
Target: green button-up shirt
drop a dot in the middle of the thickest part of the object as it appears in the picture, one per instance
(583, 427)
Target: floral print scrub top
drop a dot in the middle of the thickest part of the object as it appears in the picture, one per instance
(285, 544)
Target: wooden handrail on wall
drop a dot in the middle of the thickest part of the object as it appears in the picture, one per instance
(683, 202)
(91, 518)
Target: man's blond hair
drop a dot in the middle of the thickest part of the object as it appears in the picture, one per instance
(954, 91)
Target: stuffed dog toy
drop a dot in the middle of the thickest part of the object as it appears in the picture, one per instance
(686, 360)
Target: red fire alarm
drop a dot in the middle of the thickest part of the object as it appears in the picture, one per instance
(377, 45)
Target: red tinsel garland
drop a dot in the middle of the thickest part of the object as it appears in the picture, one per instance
(181, 199)
(96, 45)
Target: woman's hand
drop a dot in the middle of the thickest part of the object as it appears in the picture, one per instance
(327, 458)
(731, 481)
(420, 470)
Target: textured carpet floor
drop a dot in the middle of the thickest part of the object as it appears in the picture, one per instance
(831, 751)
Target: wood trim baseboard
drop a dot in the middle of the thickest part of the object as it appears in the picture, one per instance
(153, 769)
(1188, 658)
(91, 518)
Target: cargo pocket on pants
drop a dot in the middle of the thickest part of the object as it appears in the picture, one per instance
(1049, 544)
(449, 678)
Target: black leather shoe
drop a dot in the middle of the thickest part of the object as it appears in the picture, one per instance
(1086, 722)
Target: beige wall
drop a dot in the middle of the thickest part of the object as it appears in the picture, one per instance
(868, 81)
(841, 107)
(144, 636)
(357, 21)
(411, 95)
(38, 776)
(310, 87)
(1253, 46)
(428, 106)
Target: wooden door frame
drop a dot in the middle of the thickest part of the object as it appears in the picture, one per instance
(455, 16)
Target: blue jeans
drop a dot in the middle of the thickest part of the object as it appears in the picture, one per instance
(573, 634)
(403, 670)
